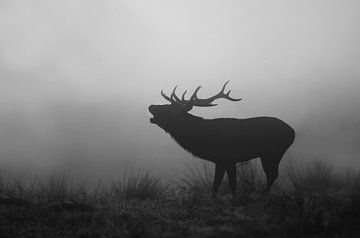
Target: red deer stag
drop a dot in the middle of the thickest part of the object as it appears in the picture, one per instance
(224, 141)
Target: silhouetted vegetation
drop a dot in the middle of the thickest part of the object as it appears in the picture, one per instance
(312, 201)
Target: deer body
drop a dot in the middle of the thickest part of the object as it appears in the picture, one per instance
(229, 140)
(225, 141)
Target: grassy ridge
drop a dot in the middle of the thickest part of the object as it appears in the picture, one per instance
(311, 201)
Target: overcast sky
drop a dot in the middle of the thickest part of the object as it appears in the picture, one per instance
(76, 77)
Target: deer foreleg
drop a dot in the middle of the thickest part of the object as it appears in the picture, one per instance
(231, 171)
(219, 175)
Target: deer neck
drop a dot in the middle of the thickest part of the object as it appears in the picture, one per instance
(187, 129)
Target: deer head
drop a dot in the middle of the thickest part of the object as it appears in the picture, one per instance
(167, 114)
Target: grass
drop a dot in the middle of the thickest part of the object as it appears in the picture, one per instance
(317, 201)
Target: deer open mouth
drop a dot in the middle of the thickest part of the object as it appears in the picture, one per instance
(153, 120)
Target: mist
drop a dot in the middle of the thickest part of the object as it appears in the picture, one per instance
(77, 77)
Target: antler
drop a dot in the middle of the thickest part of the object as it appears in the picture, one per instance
(166, 97)
(173, 98)
(207, 102)
(195, 101)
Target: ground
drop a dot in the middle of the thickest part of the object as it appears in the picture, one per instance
(318, 204)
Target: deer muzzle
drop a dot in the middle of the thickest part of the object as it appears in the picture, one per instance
(151, 110)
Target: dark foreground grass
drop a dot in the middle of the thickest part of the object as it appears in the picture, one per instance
(317, 202)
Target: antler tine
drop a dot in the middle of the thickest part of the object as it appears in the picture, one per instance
(166, 97)
(183, 96)
(174, 96)
(176, 100)
(194, 95)
(223, 88)
(227, 95)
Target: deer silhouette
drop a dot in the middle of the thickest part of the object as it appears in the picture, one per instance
(224, 141)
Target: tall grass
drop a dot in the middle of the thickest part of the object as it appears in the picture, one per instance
(320, 177)
(250, 177)
(141, 186)
(317, 177)
(196, 177)
(59, 190)
(320, 202)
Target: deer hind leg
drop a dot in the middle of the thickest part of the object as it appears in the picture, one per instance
(219, 175)
(270, 164)
(231, 172)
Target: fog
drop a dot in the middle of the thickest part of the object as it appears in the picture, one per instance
(76, 77)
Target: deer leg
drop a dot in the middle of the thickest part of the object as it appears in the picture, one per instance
(231, 172)
(219, 175)
(270, 165)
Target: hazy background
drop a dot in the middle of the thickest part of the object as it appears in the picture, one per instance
(76, 77)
